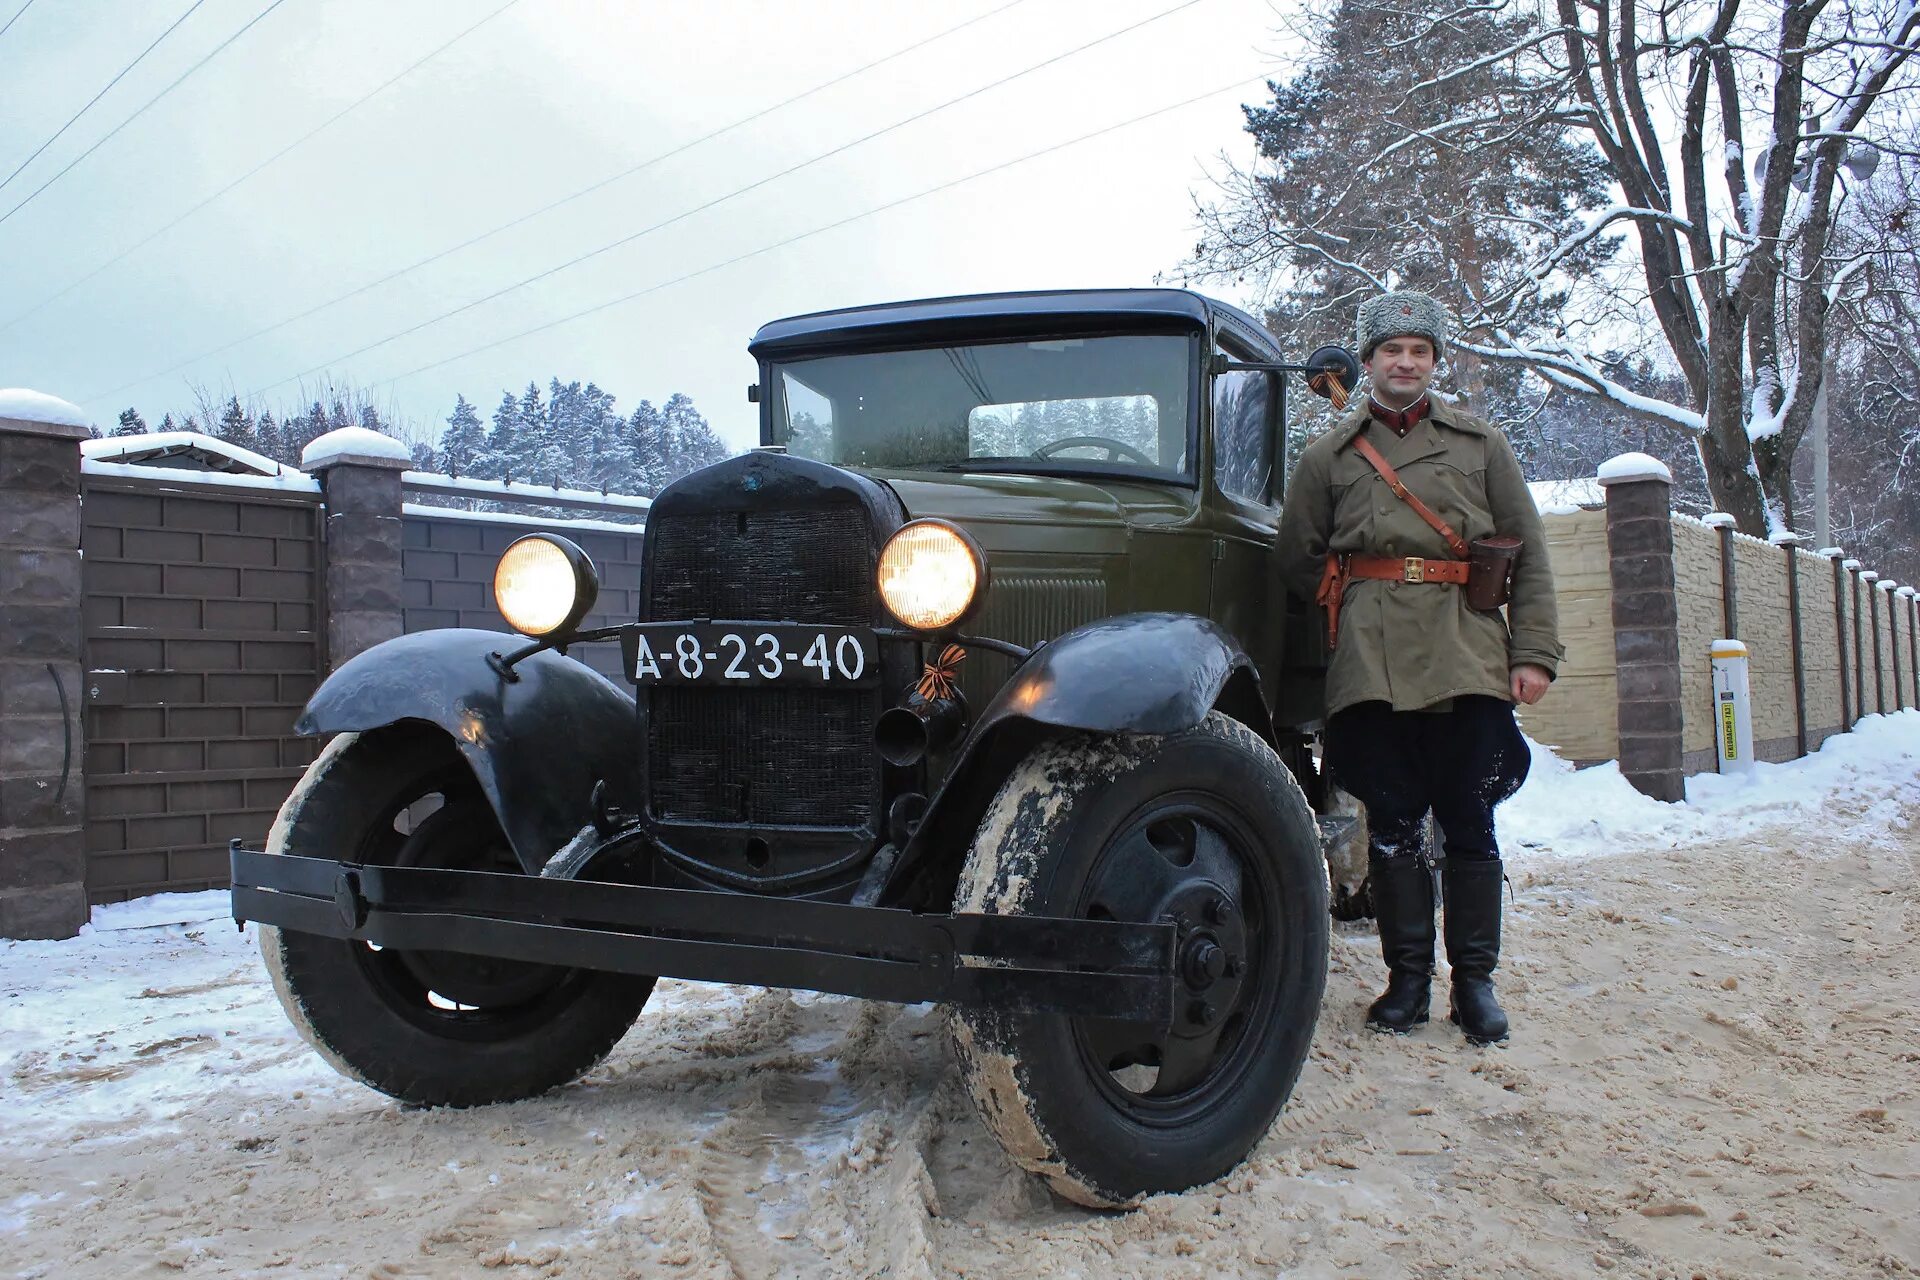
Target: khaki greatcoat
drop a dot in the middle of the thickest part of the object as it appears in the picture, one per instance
(1415, 645)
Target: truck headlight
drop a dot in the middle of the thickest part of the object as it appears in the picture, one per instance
(931, 574)
(544, 584)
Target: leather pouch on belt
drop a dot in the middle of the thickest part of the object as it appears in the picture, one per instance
(1490, 571)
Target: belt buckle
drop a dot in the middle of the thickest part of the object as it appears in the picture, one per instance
(1415, 570)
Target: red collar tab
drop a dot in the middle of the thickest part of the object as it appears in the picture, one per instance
(1399, 421)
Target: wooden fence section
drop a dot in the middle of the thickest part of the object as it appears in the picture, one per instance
(202, 633)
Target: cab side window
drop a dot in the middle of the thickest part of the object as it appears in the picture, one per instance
(1243, 432)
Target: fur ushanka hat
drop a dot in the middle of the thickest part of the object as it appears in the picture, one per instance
(1400, 315)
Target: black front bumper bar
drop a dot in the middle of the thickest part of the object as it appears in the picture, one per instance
(1027, 964)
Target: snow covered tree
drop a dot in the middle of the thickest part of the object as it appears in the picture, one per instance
(691, 442)
(269, 441)
(131, 424)
(236, 426)
(464, 440)
(1731, 255)
(646, 434)
(1377, 171)
(500, 460)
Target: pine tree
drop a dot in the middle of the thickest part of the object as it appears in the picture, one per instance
(166, 423)
(464, 440)
(272, 443)
(500, 459)
(131, 423)
(691, 442)
(236, 426)
(647, 441)
(1374, 167)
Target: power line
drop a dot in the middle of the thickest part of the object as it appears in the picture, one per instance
(328, 123)
(831, 226)
(218, 49)
(96, 97)
(628, 172)
(16, 17)
(739, 191)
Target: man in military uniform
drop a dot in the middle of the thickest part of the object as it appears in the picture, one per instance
(1421, 688)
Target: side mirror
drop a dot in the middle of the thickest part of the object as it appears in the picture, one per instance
(1333, 372)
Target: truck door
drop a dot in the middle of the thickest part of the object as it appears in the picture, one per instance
(1244, 511)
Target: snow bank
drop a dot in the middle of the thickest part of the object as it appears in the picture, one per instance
(38, 406)
(1860, 779)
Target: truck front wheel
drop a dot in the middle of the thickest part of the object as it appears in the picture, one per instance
(1205, 828)
(433, 1028)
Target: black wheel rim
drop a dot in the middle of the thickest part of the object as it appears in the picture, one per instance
(446, 823)
(1192, 859)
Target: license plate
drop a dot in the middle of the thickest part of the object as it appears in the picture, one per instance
(745, 654)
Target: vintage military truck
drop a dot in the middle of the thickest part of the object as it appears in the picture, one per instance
(969, 685)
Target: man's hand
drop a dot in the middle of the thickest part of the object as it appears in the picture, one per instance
(1529, 681)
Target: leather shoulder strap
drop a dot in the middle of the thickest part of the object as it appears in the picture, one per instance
(1455, 542)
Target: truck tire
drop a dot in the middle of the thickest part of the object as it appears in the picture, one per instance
(1208, 828)
(431, 1028)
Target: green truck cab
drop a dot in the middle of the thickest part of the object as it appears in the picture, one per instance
(968, 685)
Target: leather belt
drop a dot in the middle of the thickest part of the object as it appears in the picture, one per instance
(1408, 569)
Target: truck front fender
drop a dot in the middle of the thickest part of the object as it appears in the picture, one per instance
(537, 743)
(1135, 673)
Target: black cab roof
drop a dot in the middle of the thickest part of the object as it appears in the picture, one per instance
(990, 313)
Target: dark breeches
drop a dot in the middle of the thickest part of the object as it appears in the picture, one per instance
(1458, 763)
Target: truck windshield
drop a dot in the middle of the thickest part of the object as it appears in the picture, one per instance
(1105, 404)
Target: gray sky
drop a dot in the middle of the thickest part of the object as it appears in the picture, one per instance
(549, 97)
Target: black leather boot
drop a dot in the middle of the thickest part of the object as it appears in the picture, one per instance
(1473, 945)
(1403, 905)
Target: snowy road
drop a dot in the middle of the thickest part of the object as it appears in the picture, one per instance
(1716, 1070)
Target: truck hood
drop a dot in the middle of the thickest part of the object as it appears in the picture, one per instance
(1013, 512)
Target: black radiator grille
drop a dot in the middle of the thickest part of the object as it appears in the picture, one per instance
(780, 566)
(793, 757)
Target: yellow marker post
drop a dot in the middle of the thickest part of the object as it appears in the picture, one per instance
(1732, 708)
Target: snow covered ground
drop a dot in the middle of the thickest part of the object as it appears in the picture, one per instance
(1714, 1065)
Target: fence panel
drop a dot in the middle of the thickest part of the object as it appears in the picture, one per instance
(203, 639)
(447, 564)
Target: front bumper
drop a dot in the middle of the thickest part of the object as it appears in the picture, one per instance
(1025, 964)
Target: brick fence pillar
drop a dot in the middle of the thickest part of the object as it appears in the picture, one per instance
(1646, 622)
(359, 473)
(43, 872)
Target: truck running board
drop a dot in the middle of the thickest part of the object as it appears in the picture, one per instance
(1025, 964)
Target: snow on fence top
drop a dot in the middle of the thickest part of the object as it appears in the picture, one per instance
(1633, 466)
(37, 406)
(166, 444)
(358, 444)
(1564, 497)
(421, 510)
(511, 490)
(1718, 520)
(288, 481)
